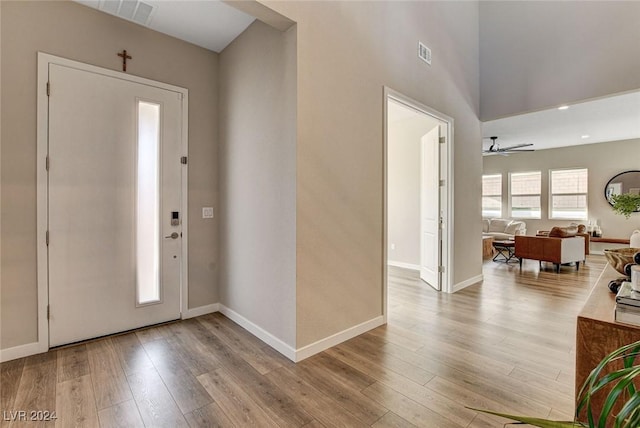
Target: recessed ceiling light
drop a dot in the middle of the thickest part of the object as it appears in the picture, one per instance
(585, 136)
(563, 107)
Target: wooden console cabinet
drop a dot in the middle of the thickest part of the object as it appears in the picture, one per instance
(598, 334)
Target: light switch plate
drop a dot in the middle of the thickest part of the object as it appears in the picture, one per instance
(207, 212)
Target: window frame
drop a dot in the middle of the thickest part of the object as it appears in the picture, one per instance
(551, 195)
(492, 195)
(511, 195)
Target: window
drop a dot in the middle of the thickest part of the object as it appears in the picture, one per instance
(492, 195)
(568, 188)
(148, 204)
(525, 190)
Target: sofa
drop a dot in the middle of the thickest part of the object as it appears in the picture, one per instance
(503, 229)
(561, 246)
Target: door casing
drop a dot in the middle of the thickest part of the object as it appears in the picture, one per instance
(446, 174)
(44, 60)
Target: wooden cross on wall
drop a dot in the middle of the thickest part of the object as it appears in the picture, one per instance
(125, 57)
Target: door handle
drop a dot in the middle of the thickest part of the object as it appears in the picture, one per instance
(174, 235)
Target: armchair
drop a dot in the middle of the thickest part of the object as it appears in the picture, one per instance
(551, 249)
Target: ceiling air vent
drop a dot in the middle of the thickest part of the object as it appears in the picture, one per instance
(131, 10)
(424, 53)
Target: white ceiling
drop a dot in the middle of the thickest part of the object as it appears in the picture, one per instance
(213, 24)
(398, 112)
(210, 24)
(606, 119)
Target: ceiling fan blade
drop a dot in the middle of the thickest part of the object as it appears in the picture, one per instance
(494, 152)
(517, 146)
(495, 149)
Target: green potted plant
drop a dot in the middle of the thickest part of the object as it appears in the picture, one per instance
(625, 204)
(619, 381)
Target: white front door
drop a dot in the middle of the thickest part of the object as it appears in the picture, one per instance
(430, 208)
(114, 193)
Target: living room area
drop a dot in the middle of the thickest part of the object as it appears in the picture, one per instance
(555, 173)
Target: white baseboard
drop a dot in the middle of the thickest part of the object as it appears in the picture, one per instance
(38, 348)
(260, 333)
(277, 344)
(335, 339)
(464, 284)
(20, 351)
(403, 265)
(201, 310)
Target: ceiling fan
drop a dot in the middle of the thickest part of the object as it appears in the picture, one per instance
(495, 148)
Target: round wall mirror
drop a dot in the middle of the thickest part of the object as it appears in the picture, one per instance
(625, 182)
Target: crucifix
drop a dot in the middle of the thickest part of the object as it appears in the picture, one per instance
(125, 57)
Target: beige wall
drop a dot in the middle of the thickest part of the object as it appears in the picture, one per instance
(403, 187)
(0, 176)
(258, 179)
(536, 54)
(73, 31)
(604, 160)
(347, 52)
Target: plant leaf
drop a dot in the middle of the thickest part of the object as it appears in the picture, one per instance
(594, 383)
(630, 409)
(537, 422)
(615, 393)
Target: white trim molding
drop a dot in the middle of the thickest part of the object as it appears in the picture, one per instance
(467, 282)
(447, 174)
(335, 339)
(21, 351)
(403, 265)
(42, 138)
(200, 310)
(268, 338)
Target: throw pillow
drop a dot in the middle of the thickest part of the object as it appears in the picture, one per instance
(513, 227)
(563, 232)
(498, 225)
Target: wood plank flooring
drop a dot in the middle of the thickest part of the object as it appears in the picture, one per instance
(506, 344)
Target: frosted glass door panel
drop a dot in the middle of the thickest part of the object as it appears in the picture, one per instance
(148, 204)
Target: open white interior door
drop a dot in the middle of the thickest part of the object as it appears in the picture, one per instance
(430, 209)
(114, 193)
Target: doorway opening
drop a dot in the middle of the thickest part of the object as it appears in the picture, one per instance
(112, 199)
(417, 200)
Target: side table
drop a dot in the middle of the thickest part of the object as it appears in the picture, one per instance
(505, 251)
(487, 247)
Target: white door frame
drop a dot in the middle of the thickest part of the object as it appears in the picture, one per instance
(42, 138)
(446, 173)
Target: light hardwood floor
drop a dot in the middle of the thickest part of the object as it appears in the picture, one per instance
(506, 344)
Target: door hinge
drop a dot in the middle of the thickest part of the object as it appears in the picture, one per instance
(47, 164)
(183, 160)
(48, 89)
(442, 140)
(46, 238)
(48, 312)
(440, 269)
(441, 182)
